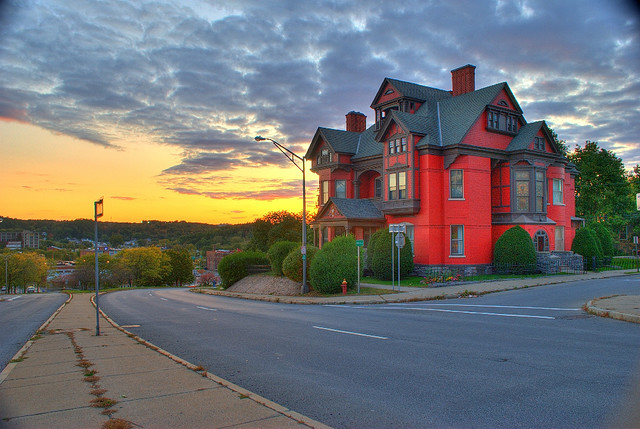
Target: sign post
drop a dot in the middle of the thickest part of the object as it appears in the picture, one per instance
(395, 229)
(635, 242)
(98, 210)
(359, 244)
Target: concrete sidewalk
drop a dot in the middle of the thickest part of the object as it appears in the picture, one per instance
(67, 377)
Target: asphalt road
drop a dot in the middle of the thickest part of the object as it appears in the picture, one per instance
(525, 358)
(20, 318)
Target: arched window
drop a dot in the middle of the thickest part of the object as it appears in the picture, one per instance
(541, 241)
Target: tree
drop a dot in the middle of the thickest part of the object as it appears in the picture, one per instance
(116, 240)
(277, 226)
(142, 266)
(27, 269)
(85, 273)
(602, 189)
(181, 266)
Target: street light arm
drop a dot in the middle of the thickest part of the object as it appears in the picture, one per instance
(289, 154)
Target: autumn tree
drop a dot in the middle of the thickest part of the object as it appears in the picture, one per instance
(276, 226)
(142, 266)
(24, 269)
(85, 272)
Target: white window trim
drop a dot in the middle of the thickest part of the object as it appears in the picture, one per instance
(457, 255)
(450, 197)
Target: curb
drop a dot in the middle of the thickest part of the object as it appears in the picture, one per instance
(200, 370)
(590, 307)
(7, 369)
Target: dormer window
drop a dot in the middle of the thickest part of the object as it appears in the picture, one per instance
(502, 121)
(538, 143)
(388, 91)
(325, 157)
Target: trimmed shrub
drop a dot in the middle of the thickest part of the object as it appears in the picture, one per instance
(380, 258)
(371, 246)
(335, 262)
(514, 252)
(604, 237)
(234, 267)
(276, 254)
(292, 264)
(585, 243)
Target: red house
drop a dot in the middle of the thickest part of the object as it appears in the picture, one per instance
(458, 168)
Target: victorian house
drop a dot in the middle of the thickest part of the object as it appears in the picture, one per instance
(457, 168)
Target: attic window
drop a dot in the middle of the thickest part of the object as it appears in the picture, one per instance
(388, 91)
(503, 103)
(538, 143)
(502, 121)
(325, 157)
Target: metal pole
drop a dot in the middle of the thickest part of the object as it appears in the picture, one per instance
(304, 288)
(358, 269)
(393, 270)
(6, 274)
(399, 265)
(95, 245)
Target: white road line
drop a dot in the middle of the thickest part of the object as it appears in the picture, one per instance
(14, 298)
(351, 333)
(205, 308)
(482, 313)
(164, 299)
(499, 306)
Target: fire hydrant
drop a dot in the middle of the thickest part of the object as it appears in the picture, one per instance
(344, 286)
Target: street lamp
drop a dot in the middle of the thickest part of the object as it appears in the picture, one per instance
(293, 157)
(97, 212)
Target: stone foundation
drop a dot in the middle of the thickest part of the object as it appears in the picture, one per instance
(559, 262)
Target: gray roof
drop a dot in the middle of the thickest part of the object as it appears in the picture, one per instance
(357, 209)
(413, 90)
(458, 114)
(367, 144)
(525, 136)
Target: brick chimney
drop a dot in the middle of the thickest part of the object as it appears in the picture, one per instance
(356, 122)
(463, 80)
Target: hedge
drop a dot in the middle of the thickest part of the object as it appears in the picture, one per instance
(604, 237)
(276, 254)
(234, 267)
(335, 262)
(292, 264)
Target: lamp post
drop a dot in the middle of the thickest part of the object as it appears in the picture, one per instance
(6, 270)
(97, 212)
(293, 157)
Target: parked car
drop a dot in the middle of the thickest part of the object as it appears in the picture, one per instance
(32, 289)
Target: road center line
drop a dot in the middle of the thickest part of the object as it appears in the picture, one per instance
(205, 308)
(164, 299)
(351, 333)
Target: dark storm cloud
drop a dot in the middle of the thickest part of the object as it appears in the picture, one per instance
(208, 76)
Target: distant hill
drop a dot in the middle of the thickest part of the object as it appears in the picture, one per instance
(202, 236)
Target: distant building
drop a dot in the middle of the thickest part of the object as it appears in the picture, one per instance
(26, 239)
(215, 256)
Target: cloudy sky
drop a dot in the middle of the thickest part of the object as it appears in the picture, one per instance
(154, 104)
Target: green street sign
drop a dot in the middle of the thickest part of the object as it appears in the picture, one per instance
(360, 243)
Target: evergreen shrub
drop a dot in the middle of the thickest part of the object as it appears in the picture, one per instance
(604, 237)
(514, 252)
(335, 262)
(276, 254)
(371, 246)
(292, 264)
(234, 267)
(585, 243)
(380, 257)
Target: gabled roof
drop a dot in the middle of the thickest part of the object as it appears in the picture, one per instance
(458, 114)
(339, 141)
(353, 209)
(527, 132)
(411, 90)
(367, 144)
(411, 123)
